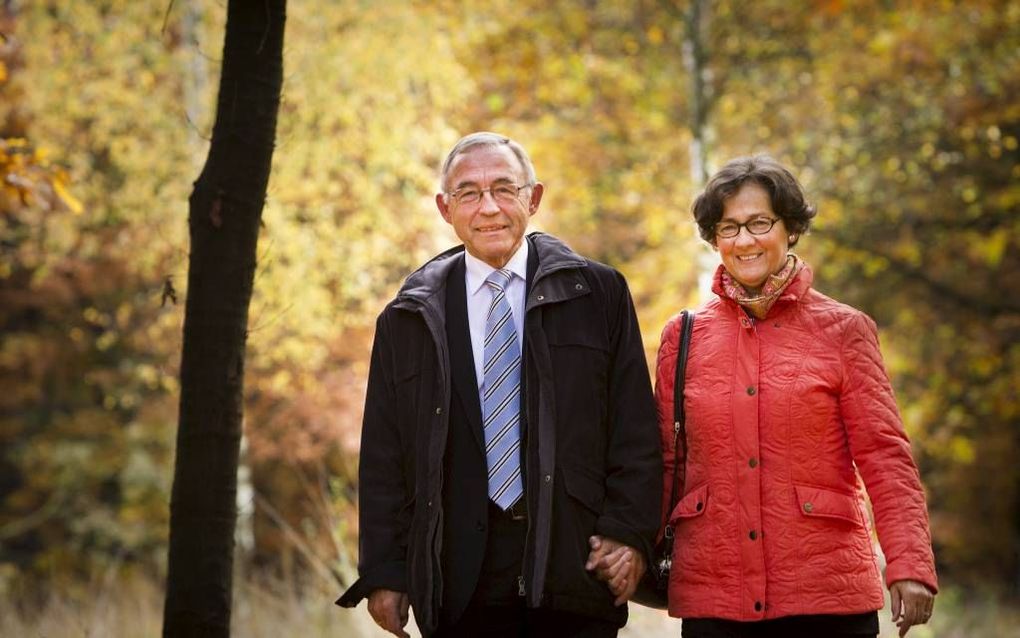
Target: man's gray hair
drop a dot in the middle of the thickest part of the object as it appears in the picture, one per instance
(485, 138)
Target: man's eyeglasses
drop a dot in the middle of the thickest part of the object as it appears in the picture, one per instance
(756, 226)
(503, 193)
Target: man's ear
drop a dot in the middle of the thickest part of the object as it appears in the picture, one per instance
(443, 206)
(536, 197)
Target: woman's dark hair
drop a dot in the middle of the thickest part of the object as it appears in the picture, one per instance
(784, 191)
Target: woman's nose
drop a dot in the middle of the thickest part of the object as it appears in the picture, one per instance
(744, 236)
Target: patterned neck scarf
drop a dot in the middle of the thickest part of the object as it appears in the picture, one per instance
(760, 304)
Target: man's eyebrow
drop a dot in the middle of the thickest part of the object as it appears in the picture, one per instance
(498, 180)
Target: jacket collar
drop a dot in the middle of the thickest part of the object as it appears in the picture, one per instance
(427, 285)
(553, 255)
(793, 293)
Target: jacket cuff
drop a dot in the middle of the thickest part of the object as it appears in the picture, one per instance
(391, 576)
(898, 571)
(627, 535)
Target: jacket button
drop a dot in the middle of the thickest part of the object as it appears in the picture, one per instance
(540, 297)
(751, 390)
(699, 506)
(753, 462)
(439, 410)
(757, 605)
(547, 478)
(808, 507)
(753, 535)
(429, 504)
(578, 287)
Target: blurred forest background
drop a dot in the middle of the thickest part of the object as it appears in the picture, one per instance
(902, 119)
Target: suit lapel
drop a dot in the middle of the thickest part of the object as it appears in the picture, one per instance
(462, 361)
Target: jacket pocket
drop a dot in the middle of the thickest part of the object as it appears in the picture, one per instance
(585, 489)
(693, 504)
(576, 337)
(405, 369)
(825, 503)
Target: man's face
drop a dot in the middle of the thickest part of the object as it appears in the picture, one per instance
(493, 227)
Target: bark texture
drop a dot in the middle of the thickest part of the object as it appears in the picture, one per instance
(224, 218)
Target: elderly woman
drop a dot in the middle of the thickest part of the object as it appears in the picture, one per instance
(787, 407)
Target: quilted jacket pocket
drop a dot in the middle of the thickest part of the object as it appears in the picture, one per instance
(825, 503)
(694, 503)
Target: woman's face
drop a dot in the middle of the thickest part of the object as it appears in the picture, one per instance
(750, 259)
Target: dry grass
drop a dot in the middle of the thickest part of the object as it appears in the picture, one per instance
(133, 608)
(86, 612)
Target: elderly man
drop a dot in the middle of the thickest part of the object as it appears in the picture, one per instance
(509, 420)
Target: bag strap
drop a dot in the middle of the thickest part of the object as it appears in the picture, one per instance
(679, 426)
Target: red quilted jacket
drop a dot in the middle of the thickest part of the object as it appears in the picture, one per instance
(780, 413)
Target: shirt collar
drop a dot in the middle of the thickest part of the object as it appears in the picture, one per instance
(477, 270)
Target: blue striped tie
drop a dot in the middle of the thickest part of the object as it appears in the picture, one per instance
(501, 396)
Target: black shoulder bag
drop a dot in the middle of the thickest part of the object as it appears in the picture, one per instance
(653, 590)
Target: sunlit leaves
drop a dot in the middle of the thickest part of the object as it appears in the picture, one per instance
(900, 118)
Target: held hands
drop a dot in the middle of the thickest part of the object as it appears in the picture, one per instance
(619, 566)
(912, 603)
(389, 610)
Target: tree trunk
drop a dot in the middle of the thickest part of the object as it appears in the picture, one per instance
(224, 218)
(695, 58)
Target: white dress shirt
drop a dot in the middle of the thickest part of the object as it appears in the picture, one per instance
(479, 297)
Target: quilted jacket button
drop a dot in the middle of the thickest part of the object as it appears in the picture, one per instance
(751, 390)
(808, 507)
(753, 535)
(757, 605)
(753, 462)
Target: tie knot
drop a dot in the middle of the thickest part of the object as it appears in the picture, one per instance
(499, 279)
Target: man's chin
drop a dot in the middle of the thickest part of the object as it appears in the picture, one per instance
(496, 252)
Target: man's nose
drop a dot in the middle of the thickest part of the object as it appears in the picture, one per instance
(488, 203)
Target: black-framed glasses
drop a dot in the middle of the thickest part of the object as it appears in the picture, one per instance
(503, 193)
(756, 226)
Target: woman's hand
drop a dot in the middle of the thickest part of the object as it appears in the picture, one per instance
(912, 603)
(619, 566)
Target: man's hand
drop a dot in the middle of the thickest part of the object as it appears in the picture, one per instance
(619, 565)
(912, 603)
(389, 610)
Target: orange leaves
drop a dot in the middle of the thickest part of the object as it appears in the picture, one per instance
(28, 179)
(65, 196)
